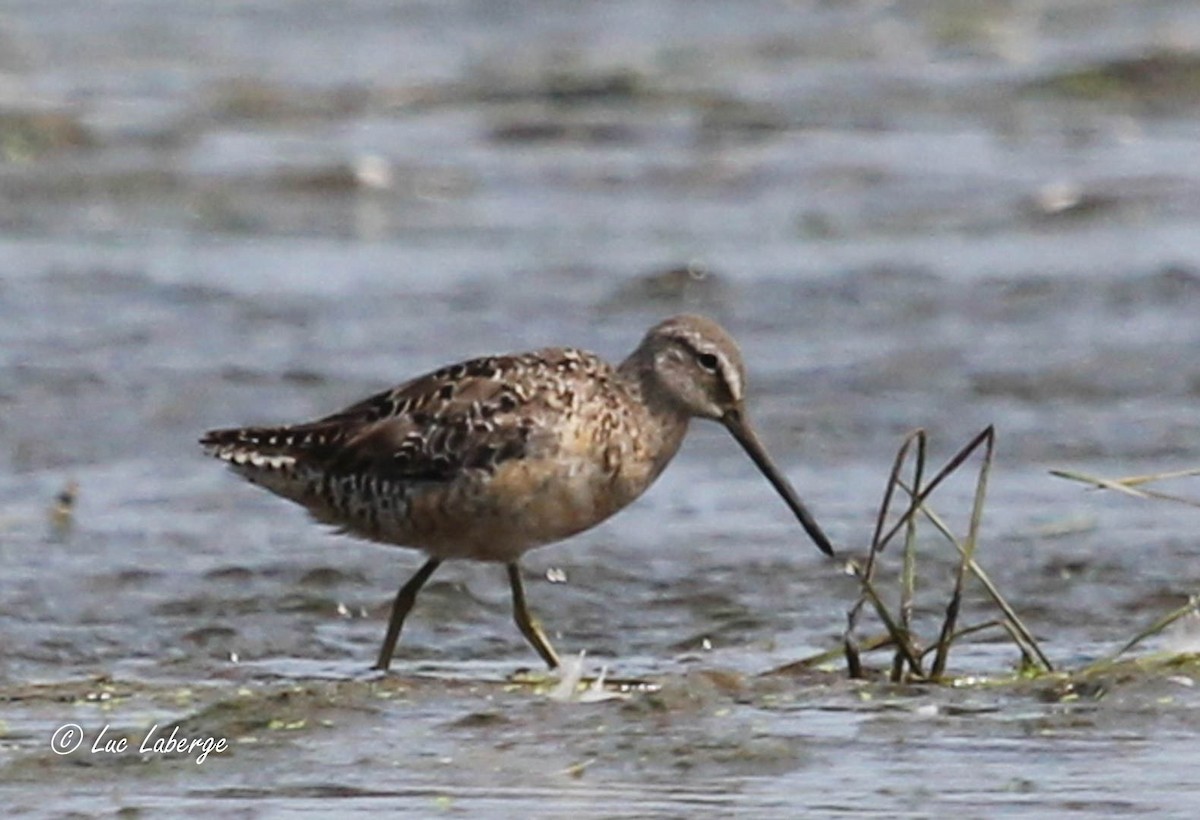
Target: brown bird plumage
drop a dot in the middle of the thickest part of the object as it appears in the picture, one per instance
(489, 458)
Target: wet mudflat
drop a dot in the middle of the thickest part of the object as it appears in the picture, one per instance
(937, 215)
(707, 741)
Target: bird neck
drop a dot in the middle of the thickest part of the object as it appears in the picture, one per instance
(662, 409)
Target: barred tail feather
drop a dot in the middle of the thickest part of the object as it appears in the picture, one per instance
(268, 457)
(268, 448)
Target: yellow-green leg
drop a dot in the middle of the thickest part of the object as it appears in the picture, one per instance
(529, 628)
(405, 599)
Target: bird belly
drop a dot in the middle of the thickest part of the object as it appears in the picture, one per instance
(482, 515)
(523, 504)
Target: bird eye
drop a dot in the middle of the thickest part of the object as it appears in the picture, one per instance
(708, 361)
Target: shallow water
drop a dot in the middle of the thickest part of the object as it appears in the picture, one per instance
(909, 214)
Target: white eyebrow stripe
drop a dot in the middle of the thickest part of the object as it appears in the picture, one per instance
(729, 373)
(732, 378)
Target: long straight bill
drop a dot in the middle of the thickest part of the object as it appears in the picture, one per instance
(745, 436)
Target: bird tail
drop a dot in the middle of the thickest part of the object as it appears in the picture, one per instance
(254, 447)
(283, 460)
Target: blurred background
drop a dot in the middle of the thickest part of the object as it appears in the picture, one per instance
(919, 213)
(938, 214)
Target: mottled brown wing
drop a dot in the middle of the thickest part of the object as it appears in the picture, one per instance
(472, 415)
(440, 439)
(448, 389)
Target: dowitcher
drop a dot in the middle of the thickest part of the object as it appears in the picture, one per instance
(487, 459)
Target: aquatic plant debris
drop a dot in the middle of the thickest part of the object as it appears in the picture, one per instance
(1130, 485)
(907, 663)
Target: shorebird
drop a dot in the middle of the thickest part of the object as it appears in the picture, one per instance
(489, 458)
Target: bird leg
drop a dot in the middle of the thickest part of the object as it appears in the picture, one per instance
(405, 599)
(529, 628)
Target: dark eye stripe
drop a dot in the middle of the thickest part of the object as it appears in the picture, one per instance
(713, 362)
(706, 359)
